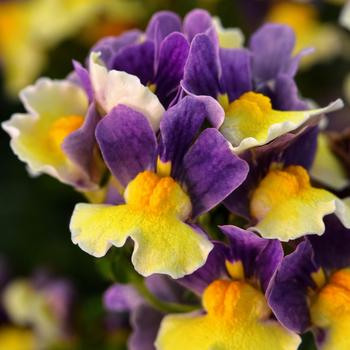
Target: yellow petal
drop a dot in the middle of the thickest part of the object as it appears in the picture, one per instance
(152, 217)
(286, 206)
(56, 108)
(236, 320)
(250, 120)
(17, 339)
(327, 168)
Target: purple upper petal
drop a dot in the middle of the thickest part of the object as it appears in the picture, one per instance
(202, 69)
(272, 46)
(161, 25)
(287, 293)
(173, 54)
(195, 22)
(79, 146)
(127, 143)
(332, 249)
(213, 269)
(122, 297)
(285, 95)
(164, 288)
(236, 75)
(137, 59)
(260, 257)
(179, 127)
(110, 46)
(211, 171)
(84, 79)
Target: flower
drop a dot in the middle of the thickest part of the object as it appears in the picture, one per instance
(166, 185)
(314, 282)
(56, 136)
(244, 84)
(297, 208)
(232, 285)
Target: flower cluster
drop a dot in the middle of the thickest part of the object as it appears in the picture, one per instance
(163, 129)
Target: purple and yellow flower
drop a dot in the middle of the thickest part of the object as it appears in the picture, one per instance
(39, 311)
(278, 196)
(235, 311)
(253, 90)
(56, 135)
(165, 185)
(311, 288)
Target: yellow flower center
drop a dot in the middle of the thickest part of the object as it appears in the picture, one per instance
(149, 192)
(330, 308)
(234, 300)
(62, 127)
(276, 187)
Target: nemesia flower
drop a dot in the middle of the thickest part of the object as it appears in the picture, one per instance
(166, 185)
(313, 282)
(43, 304)
(232, 285)
(297, 208)
(345, 16)
(56, 135)
(238, 79)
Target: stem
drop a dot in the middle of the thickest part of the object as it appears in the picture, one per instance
(163, 306)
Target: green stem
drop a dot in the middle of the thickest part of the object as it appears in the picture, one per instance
(163, 306)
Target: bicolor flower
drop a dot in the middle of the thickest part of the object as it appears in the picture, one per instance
(43, 304)
(311, 288)
(248, 85)
(144, 318)
(56, 135)
(235, 311)
(278, 196)
(165, 186)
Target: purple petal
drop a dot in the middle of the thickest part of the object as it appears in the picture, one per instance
(211, 171)
(202, 69)
(285, 95)
(332, 249)
(161, 25)
(236, 75)
(272, 46)
(260, 257)
(84, 79)
(195, 22)
(213, 269)
(110, 46)
(121, 298)
(287, 292)
(179, 127)
(80, 145)
(145, 322)
(173, 54)
(127, 143)
(137, 59)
